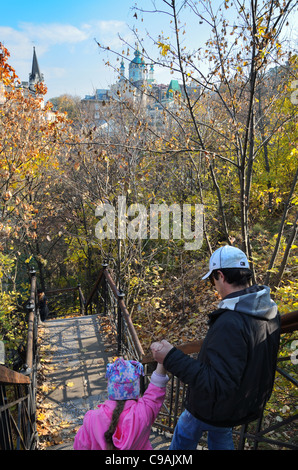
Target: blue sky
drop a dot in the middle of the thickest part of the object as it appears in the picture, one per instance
(63, 34)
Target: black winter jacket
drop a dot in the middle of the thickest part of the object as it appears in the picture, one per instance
(233, 376)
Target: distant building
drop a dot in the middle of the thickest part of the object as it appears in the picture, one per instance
(137, 68)
(140, 87)
(29, 88)
(35, 77)
(131, 88)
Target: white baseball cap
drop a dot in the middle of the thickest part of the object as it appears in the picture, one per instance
(227, 257)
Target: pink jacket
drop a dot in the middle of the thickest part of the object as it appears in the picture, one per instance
(134, 426)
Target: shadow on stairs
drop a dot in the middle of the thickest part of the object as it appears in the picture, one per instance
(76, 378)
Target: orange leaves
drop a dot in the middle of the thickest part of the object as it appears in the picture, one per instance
(29, 145)
(7, 73)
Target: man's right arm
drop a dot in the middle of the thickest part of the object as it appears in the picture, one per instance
(160, 349)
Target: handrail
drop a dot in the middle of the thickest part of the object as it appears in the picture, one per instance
(63, 289)
(18, 390)
(125, 314)
(8, 376)
(288, 324)
(31, 322)
(106, 275)
(70, 289)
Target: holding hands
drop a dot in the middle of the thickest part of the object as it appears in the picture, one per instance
(160, 349)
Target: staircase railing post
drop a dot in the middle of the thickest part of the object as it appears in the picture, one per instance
(105, 289)
(30, 368)
(119, 325)
(31, 322)
(81, 300)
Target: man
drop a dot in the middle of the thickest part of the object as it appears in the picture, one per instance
(232, 378)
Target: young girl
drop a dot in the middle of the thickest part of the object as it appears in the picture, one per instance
(123, 422)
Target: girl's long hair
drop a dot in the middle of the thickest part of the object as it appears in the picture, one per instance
(115, 418)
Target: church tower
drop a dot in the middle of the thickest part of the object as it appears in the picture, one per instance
(122, 71)
(137, 68)
(35, 76)
(151, 74)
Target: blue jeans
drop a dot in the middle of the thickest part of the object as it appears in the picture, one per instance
(189, 430)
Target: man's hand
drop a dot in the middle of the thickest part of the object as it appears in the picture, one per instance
(160, 349)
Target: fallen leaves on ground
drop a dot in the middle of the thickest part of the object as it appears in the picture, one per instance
(50, 429)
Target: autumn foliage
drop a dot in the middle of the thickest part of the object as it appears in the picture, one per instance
(30, 135)
(227, 141)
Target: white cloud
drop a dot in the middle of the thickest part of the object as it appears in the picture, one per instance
(54, 72)
(68, 55)
(20, 41)
(107, 32)
(110, 26)
(16, 42)
(54, 33)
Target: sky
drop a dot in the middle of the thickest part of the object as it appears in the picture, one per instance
(63, 33)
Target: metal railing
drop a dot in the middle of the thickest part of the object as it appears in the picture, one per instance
(18, 390)
(106, 298)
(54, 293)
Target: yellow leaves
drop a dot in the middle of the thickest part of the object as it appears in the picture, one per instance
(64, 424)
(45, 388)
(155, 302)
(261, 31)
(161, 331)
(164, 48)
(287, 295)
(41, 417)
